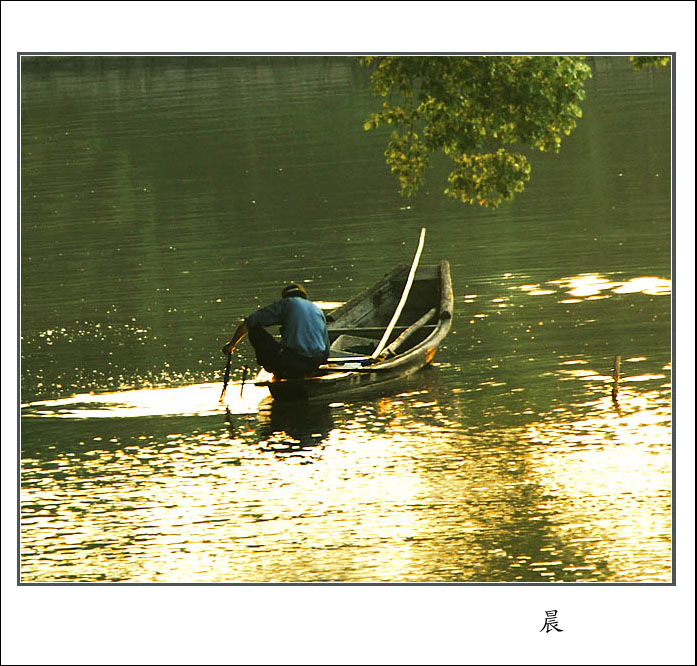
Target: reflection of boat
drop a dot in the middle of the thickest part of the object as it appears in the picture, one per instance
(297, 426)
(364, 351)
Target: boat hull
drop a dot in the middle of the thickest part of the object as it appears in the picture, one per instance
(360, 314)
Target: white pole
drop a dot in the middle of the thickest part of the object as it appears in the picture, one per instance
(403, 300)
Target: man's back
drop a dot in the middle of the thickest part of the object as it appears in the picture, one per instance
(303, 325)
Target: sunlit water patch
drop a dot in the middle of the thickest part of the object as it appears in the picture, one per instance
(591, 286)
(393, 488)
(613, 464)
(197, 399)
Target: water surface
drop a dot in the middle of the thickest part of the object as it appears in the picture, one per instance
(164, 198)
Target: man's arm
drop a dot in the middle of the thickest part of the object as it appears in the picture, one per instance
(241, 331)
(267, 316)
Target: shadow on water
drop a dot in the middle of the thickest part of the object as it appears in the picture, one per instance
(291, 428)
(284, 428)
(85, 423)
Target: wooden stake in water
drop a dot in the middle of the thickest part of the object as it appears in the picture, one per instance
(616, 383)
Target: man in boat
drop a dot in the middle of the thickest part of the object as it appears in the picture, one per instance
(304, 342)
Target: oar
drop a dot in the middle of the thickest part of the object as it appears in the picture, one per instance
(392, 348)
(403, 300)
(226, 378)
(245, 370)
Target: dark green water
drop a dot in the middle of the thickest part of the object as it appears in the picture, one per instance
(164, 198)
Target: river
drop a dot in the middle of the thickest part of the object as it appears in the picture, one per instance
(163, 198)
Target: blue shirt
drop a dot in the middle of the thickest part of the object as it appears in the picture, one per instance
(303, 325)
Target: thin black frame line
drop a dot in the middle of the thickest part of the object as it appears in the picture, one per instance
(345, 584)
(19, 316)
(673, 233)
(343, 53)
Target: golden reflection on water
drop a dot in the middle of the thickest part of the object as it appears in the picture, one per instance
(585, 287)
(610, 474)
(196, 399)
(217, 508)
(592, 286)
(410, 487)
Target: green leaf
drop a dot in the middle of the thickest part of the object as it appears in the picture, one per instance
(474, 109)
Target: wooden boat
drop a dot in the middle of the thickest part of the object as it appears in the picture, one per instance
(415, 306)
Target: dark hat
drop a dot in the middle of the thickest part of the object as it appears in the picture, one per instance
(293, 290)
